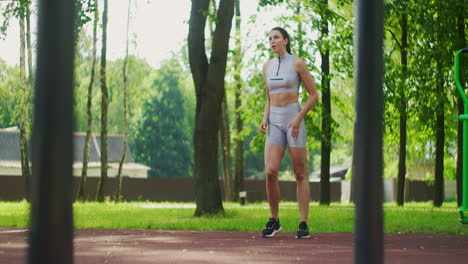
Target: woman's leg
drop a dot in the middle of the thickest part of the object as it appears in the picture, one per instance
(273, 155)
(299, 162)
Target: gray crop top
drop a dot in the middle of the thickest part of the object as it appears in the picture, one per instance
(281, 77)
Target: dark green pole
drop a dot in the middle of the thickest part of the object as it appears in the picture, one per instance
(51, 229)
(464, 118)
(368, 132)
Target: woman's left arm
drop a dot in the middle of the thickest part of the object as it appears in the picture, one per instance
(306, 78)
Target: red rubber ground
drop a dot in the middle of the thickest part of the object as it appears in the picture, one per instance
(163, 246)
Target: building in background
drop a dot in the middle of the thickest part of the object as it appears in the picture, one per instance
(10, 161)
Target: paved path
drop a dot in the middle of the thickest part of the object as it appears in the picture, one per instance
(165, 246)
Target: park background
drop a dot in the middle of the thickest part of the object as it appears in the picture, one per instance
(421, 139)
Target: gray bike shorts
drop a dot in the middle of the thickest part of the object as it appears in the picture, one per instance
(278, 131)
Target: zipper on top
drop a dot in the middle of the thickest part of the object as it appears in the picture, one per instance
(279, 64)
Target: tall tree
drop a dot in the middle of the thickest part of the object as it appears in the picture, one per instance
(125, 81)
(208, 78)
(238, 94)
(435, 31)
(326, 106)
(398, 12)
(461, 43)
(28, 45)
(26, 104)
(441, 83)
(28, 114)
(224, 130)
(403, 105)
(104, 107)
(89, 104)
(440, 136)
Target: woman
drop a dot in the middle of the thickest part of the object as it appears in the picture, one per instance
(285, 121)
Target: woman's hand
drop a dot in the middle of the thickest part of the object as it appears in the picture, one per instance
(295, 125)
(263, 127)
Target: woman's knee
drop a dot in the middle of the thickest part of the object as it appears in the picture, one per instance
(300, 173)
(271, 174)
(301, 177)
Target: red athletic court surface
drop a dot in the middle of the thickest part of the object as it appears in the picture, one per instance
(165, 246)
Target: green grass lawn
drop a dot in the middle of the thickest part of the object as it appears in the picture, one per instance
(412, 218)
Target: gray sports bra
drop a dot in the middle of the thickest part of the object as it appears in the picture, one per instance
(281, 77)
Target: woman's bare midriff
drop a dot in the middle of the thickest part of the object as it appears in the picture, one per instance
(283, 99)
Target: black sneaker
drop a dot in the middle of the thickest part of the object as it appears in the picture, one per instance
(303, 231)
(272, 227)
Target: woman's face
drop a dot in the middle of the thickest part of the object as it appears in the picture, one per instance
(277, 42)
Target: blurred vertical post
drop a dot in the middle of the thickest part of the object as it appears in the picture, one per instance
(51, 229)
(367, 155)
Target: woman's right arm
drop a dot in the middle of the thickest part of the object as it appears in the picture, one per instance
(266, 111)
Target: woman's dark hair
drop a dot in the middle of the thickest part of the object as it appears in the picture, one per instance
(285, 35)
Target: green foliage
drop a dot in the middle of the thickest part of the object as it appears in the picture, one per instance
(163, 137)
(10, 9)
(211, 16)
(85, 11)
(450, 168)
(164, 94)
(13, 101)
(7, 14)
(431, 44)
(269, 2)
(10, 95)
(139, 85)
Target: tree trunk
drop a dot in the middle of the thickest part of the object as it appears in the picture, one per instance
(125, 83)
(209, 87)
(224, 136)
(89, 105)
(326, 115)
(24, 153)
(29, 49)
(300, 32)
(239, 162)
(461, 43)
(225, 139)
(402, 108)
(440, 139)
(104, 106)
